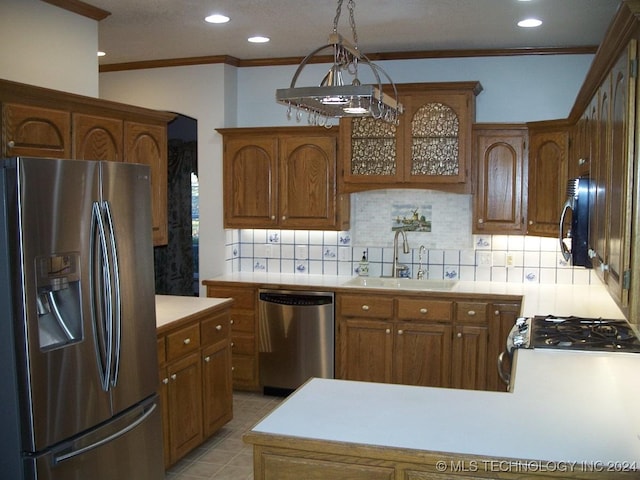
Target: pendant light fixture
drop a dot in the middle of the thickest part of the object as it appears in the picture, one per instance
(334, 98)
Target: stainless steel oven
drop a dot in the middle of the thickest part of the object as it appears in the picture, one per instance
(569, 333)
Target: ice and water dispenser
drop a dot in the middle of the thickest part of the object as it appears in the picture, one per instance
(59, 301)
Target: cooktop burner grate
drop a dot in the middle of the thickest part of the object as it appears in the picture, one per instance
(583, 334)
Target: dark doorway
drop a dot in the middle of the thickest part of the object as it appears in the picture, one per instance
(176, 264)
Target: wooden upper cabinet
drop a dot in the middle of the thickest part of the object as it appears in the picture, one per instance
(147, 144)
(282, 177)
(97, 138)
(308, 182)
(250, 181)
(500, 195)
(429, 148)
(40, 122)
(548, 172)
(31, 131)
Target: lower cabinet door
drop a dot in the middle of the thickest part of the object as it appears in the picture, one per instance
(185, 405)
(469, 364)
(423, 354)
(216, 385)
(367, 350)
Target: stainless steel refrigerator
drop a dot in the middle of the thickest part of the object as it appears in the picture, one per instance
(78, 381)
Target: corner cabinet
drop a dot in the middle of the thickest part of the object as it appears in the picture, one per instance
(429, 148)
(282, 177)
(548, 175)
(38, 122)
(500, 193)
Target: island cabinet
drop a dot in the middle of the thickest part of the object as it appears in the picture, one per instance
(38, 122)
(430, 147)
(421, 340)
(194, 355)
(548, 175)
(244, 328)
(501, 178)
(282, 177)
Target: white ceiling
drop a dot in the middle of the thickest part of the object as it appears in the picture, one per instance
(139, 30)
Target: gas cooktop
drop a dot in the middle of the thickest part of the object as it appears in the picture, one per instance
(576, 333)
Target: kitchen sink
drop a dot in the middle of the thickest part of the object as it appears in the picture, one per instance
(401, 283)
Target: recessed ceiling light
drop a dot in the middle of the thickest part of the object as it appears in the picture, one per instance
(529, 23)
(258, 39)
(101, 54)
(217, 18)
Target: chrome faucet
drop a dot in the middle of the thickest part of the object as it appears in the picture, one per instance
(397, 268)
(421, 251)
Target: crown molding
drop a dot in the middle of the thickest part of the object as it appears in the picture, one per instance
(81, 8)
(270, 62)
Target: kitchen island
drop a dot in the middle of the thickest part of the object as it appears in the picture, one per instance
(568, 415)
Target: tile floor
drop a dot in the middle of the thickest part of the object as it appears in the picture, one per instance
(225, 456)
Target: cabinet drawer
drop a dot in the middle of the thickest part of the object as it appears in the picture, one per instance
(245, 298)
(183, 341)
(366, 306)
(161, 351)
(425, 309)
(471, 312)
(243, 344)
(215, 329)
(243, 322)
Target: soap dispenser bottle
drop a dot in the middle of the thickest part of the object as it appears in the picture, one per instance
(363, 268)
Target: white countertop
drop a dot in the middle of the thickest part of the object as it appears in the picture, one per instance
(538, 299)
(170, 308)
(565, 407)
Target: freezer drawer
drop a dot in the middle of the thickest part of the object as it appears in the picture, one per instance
(129, 446)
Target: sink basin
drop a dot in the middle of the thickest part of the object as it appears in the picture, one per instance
(401, 283)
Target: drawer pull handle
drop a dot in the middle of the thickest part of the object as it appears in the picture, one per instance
(423, 311)
(365, 308)
(186, 341)
(471, 313)
(173, 377)
(218, 327)
(207, 359)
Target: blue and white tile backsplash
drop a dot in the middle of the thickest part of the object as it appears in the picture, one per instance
(452, 252)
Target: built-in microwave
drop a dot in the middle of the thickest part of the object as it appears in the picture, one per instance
(574, 223)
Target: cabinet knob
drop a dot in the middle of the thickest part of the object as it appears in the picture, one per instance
(186, 341)
(471, 313)
(207, 359)
(400, 332)
(497, 312)
(481, 220)
(218, 327)
(273, 217)
(423, 310)
(530, 222)
(11, 144)
(365, 308)
(173, 377)
(231, 321)
(388, 330)
(165, 380)
(459, 335)
(284, 217)
(232, 344)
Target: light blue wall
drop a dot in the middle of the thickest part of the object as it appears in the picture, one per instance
(515, 89)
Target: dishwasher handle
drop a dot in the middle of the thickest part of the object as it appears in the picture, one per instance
(296, 299)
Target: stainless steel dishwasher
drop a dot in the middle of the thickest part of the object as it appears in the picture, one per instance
(296, 338)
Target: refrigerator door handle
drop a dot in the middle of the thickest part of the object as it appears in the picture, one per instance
(116, 310)
(74, 453)
(103, 322)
